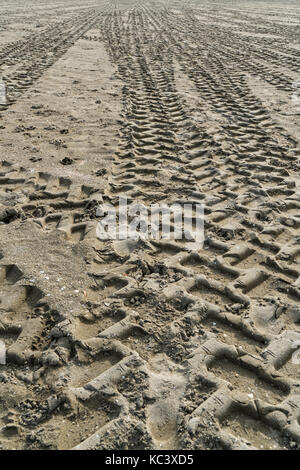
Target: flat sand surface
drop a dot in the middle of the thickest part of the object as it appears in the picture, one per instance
(144, 343)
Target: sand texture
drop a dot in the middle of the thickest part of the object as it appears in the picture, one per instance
(150, 344)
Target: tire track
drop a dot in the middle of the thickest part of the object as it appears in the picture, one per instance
(211, 330)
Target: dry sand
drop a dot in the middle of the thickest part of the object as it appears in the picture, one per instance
(150, 345)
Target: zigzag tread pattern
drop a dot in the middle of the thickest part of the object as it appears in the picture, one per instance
(174, 347)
